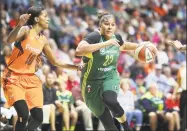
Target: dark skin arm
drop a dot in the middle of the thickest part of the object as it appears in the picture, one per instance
(20, 31)
(56, 62)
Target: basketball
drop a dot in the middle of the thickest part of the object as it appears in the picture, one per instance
(146, 53)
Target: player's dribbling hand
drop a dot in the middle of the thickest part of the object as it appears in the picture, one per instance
(113, 42)
(23, 19)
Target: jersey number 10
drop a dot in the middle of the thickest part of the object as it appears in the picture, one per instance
(30, 59)
(108, 60)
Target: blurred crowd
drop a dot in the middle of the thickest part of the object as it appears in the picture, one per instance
(147, 90)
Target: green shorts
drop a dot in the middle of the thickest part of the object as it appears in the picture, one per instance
(92, 93)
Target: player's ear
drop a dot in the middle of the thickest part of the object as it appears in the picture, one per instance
(36, 19)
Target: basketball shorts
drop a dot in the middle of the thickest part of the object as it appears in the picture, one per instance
(92, 93)
(26, 87)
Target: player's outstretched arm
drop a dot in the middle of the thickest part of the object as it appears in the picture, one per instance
(85, 48)
(56, 62)
(19, 31)
(132, 46)
(178, 45)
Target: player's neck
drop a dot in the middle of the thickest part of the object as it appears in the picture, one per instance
(107, 38)
(37, 28)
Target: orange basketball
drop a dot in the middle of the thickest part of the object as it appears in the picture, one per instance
(146, 53)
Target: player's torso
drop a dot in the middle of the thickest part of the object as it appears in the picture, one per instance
(102, 63)
(25, 53)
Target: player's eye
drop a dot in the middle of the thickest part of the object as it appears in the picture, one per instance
(106, 23)
(113, 24)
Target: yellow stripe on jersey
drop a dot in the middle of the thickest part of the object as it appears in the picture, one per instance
(86, 75)
(89, 55)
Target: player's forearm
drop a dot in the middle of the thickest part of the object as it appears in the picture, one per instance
(64, 65)
(129, 46)
(89, 48)
(13, 34)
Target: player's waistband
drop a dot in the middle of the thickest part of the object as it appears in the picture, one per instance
(17, 73)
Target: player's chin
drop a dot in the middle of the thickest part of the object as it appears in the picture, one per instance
(109, 35)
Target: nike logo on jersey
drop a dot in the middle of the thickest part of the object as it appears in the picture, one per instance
(89, 88)
(28, 47)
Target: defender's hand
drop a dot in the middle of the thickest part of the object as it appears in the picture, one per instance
(177, 44)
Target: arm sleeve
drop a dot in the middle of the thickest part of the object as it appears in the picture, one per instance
(93, 37)
(118, 37)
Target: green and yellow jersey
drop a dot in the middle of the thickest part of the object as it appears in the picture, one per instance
(101, 64)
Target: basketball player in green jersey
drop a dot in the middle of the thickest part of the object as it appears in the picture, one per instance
(100, 79)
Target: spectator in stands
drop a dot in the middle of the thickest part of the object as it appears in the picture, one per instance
(15, 18)
(5, 55)
(159, 78)
(140, 86)
(66, 107)
(50, 99)
(89, 8)
(127, 100)
(126, 74)
(136, 68)
(152, 104)
(82, 108)
(43, 72)
(172, 105)
(72, 81)
(171, 81)
(162, 57)
(62, 76)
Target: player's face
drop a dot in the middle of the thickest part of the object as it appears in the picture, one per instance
(108, 27)
(43, 19)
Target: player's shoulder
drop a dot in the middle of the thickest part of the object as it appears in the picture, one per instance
(94, 33)
(93, 37)
(118, 36)
(24, 30)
